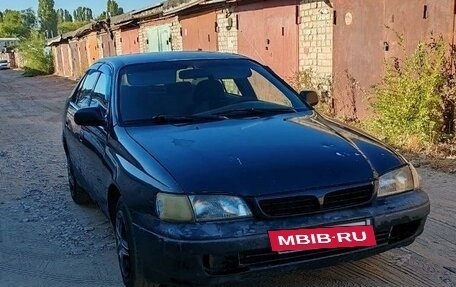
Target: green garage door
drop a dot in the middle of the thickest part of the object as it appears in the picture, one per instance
(159, 38)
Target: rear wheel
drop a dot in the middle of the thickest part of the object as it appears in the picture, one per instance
(126, 250)
(78, 194)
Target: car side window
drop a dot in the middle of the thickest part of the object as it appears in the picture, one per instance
(84, 94)
(101, 92)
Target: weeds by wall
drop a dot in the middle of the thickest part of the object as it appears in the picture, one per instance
(410, 101)
(37, 58)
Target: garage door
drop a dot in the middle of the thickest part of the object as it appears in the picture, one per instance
(83, 55)
(198, 32)
(107, 44)
(366, 34)
(66, 60)
(130, 41)
(92, 45)
(158, 38)
(268, 32)
(58, 57)
(75, 59)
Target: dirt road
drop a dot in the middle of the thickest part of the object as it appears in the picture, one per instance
(46, 240)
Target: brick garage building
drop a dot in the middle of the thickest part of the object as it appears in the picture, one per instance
(342, 44)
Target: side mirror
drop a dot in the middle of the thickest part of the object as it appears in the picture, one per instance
(92, 116)
(309, 97)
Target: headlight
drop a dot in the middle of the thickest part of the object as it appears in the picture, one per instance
(400, 180)
(172, 207)
(182, 208)
(214, 207)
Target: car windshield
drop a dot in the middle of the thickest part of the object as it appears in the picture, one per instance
(202, 89)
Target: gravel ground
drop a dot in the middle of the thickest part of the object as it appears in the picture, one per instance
(46, 240)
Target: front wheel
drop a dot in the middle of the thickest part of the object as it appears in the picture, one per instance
(126, 250)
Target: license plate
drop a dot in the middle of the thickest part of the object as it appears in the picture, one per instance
(354, 234)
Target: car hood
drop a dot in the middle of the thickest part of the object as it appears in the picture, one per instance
(265, 156)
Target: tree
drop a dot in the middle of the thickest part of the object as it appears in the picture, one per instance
(63, 16)
(82, 14)
(113, 8)
(29, 18)
(47, 17)
(12, 24)
(37, 59)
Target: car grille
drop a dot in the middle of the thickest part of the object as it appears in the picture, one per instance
(266, 256)
(290, 205)
(305, 204)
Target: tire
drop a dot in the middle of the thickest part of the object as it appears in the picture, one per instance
(126, 251)
(78, 194)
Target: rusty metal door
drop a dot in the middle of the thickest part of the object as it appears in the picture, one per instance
(107, 45)
(83, 55)
(358, 56)
(75, 60)
(199, 32)
(92, 44)
(268, 32)
(58, 58)
(66, 60)
(366, 33)
(130, 41)
(416, 21)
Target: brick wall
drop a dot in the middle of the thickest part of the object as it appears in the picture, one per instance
(316, 39)
(117, 42)
(176, 37)
(100, 47)
(227, 37)
(143, 37)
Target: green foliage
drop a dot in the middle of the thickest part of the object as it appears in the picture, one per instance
(48, 17)
(37, 58)
(65, 27)
(82, 14)
(113, 8)
(308, 80)
(63, 15)
(409, 101)
(29, 19)
(13, 24)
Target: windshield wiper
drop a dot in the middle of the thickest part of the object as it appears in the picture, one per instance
(167, 119)
(255, 111)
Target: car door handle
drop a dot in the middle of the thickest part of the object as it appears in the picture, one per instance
(81, 136)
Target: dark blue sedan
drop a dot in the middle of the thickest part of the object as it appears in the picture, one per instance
(199, 158)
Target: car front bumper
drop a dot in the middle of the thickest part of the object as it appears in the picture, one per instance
(219, 252)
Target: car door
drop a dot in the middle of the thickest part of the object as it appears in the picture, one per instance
(73, 132)
(94, 139)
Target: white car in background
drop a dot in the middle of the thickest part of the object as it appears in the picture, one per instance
(4, 64)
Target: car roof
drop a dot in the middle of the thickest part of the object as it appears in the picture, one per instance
(120, 61)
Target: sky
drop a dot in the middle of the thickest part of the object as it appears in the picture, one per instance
(97, 6)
